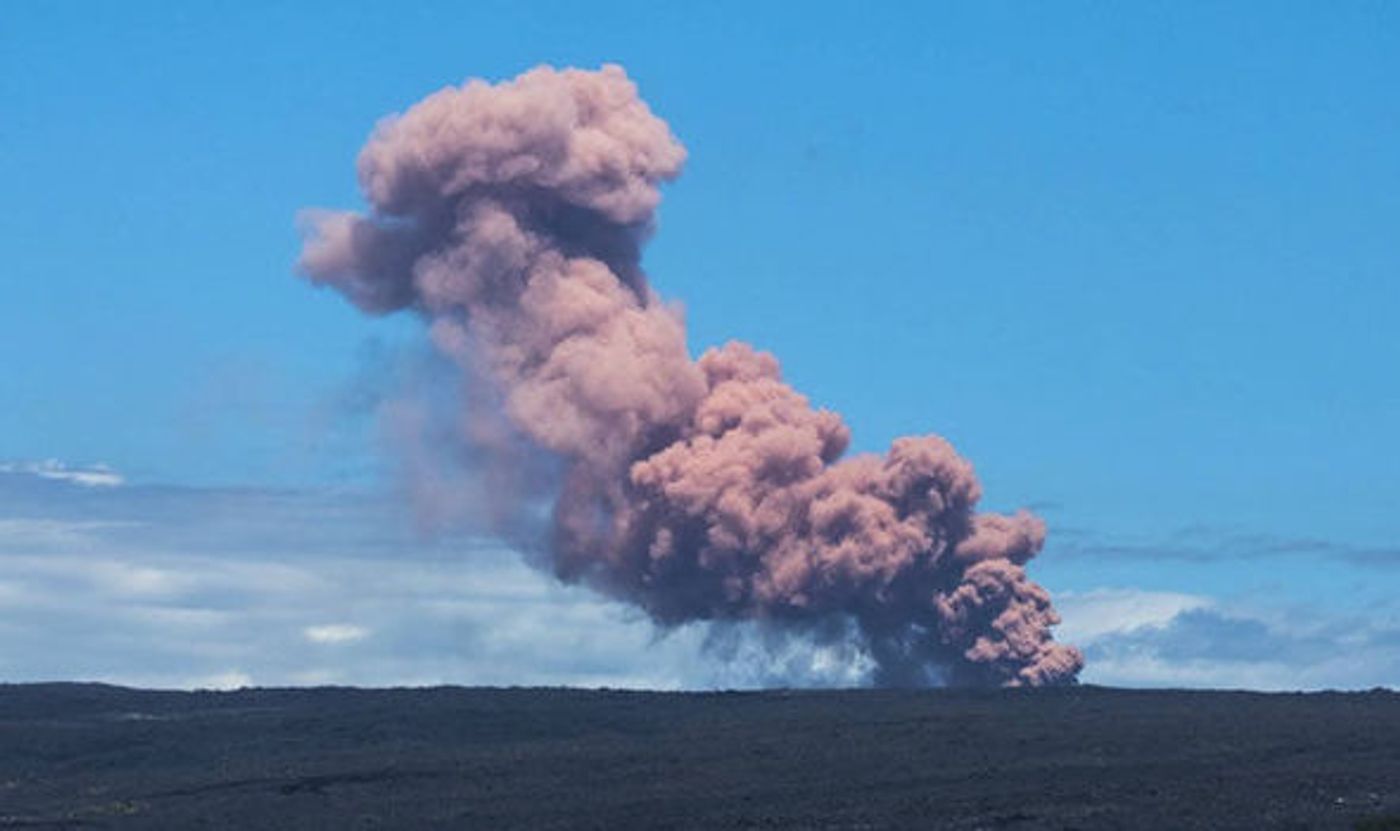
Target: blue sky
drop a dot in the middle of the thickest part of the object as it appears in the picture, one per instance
(1138, 262)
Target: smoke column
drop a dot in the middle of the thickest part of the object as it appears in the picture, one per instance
(511, 218)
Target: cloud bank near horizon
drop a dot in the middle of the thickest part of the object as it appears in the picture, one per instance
(186, 587)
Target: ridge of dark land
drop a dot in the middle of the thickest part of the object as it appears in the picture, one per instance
(93, 756)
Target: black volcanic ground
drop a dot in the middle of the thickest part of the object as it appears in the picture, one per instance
(82, 756)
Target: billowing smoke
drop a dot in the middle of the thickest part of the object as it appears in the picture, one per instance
(511, 218)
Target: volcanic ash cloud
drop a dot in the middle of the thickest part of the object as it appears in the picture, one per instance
(511, 217)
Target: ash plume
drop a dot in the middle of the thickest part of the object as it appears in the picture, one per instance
(511, 218)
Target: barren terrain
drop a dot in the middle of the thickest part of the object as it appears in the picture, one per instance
(88, 756)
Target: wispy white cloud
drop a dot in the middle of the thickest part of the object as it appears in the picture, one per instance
(1090, 615)
(335, 633)
(19, 534)
(1214, 544)
(93, 476)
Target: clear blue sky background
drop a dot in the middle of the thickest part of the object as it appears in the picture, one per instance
(1139, 262)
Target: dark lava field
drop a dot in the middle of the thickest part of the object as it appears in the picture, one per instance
(88, 756)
